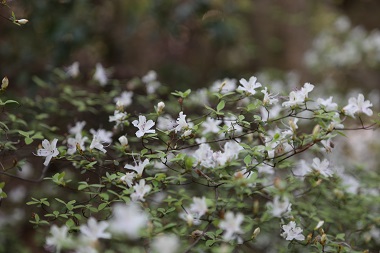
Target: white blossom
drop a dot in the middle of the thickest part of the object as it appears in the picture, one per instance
(77, 128)
(211, 125)
(97, 144)
(73, 70)
(94, 230)
(322, 167)
(139, 166)
(128, 220)
(358, 105)
(140, 190)
(181, 122)
(168, 243)
(73, 142)
(125, 98)
(199, 206)
(231, 226)
(103, 135)
(59, 238)
(249, 86)
(100, 75)
(279, 208)
(49, 150)
(128, 178)
(143, 126)
(292, 232)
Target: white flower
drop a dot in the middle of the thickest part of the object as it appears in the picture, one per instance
(140, 190)
(298, 97)
(249, 86)
(139, 167)
(77, 128)
(103, 135)
(231, 226)
(232, 126)
(49, 150)
(358, 106)
(322, 167)
(95, 230)
(100, 75)
(269, 98)
(168, 243)
(302, 169)
(125, 99)
(128, 220)
(327, 104)
(123, 140)
(151, 83)
(165, 123)
(279, 208)
(128, 178)
(73, 70)
(143, 126)
(181, 122)
(199, 206)
(224, 86)
(118, 117)
(73, 142)
(151, 76)
(204, 156)
(59, 238)
(292, 232)
(190, 218)
(96, 143)
(211, 125)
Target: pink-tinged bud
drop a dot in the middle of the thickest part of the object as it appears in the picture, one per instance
(22, 21)
(4, 83)
(160, 107)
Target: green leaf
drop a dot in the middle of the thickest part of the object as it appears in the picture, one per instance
(220, 106)
(28, 140)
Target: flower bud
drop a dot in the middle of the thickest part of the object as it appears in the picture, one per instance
(123, 140)
(323, 239)
(22, 21)
(320, 224)
(4, 83)
(256, 232)
(160, 107)
(316, 130)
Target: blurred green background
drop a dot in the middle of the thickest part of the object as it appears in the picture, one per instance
(189, 43)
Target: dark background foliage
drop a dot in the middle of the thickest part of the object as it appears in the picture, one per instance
(189, 43)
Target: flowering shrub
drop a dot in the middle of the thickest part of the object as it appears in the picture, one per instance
(232, 168)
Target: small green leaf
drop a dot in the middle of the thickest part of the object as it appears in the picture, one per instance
(220, 106)
(28, 140)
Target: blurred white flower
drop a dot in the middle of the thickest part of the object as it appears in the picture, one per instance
(128, 178)
(292, 232)
(128, 220)
(77, 128)
(94, 230)
(231, 226)
(100, 75)
(140, 190)
(168, 243)
(73, 142)
(139, 166)
(322, 167)
(249, 86)
(103, 135)
(59, 238)
(211, 125)
(73, 70)
(199, 206)
(279, 208)
(125, 98)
